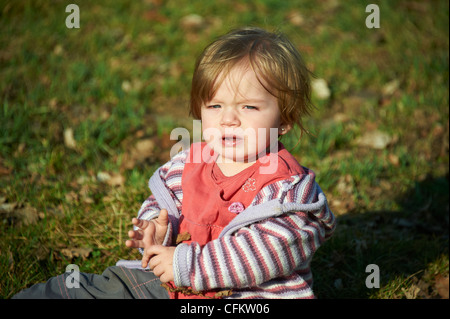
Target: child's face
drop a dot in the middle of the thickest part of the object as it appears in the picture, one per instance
(238, 120)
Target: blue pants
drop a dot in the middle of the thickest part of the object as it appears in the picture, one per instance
(116, 282)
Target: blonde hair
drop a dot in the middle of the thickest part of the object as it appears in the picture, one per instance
(276, 62)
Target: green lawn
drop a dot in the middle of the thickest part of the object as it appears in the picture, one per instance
(86, 114)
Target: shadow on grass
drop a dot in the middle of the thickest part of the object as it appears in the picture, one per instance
(411, 242)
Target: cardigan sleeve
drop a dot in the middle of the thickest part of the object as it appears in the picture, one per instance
(170, 174)
(272, 248)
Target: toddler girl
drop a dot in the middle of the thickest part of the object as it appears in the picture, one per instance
(255, 216)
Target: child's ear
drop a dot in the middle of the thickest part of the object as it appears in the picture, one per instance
(284, 128)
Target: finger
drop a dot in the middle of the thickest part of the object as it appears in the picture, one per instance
(163, 218)
(140, 223)
(153, 264)
(144, 262)
(133, 244)
(161, 271)
(150, 255)
(154, 250)
(165, 277)
(136, 235)
(147, 259)
(129, 243)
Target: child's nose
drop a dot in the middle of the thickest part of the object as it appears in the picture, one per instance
(229, 118)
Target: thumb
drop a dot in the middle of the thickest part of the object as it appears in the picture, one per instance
(163, 218)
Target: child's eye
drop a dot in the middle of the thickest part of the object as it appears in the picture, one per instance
(215, 106)
(249, 107)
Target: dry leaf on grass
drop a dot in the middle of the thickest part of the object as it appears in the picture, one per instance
(114, 179)
(192, 22)
(411, 292)
(71, 197)
(69, 140)
(442, 286)
(296, 18)
(18, 215)
(143, 150)
(76, 252)
(320, 89)
(4, 170)
(41, 252)
(375, 140)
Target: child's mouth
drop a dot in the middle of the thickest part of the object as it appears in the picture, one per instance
(231, 140)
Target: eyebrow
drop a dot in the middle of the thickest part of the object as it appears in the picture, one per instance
(243, 101)
(252, 101)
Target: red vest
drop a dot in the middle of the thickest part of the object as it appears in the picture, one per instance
(211, 200)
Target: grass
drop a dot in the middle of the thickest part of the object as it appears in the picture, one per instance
(124, 77)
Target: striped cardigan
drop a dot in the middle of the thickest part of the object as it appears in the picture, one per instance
(266, 250)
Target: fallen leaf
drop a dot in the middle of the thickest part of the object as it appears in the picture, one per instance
(142, 150)
(58, 49)
(442, 286)
(320, 89)
(411, 292)
(182, 237)
(76, 252)
(296, 18)
(394, 159)
(134, 86)
(103, 177)
(18, 215)
(374, 139)
(192, 22)
(71, 197)
(116, 180)
(26, 216)
(84, 179)
(126, 86)
(341, 118)
(7, 207)
(417, 290)
(5, 170)
(88, 200)
(41, 252)
(69, 140)
(390, 87)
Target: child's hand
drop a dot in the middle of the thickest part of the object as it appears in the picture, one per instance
(161, 261)
(150, 232)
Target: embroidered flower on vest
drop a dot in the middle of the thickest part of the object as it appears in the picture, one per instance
(249, 185)
(236, 207)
